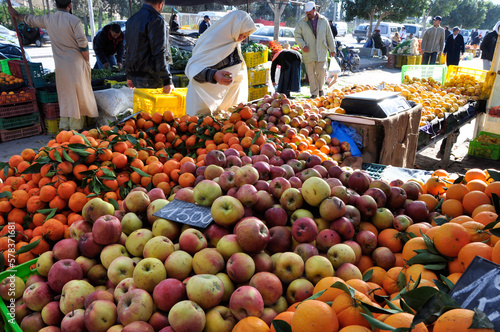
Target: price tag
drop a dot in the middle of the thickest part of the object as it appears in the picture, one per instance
(479, 287)
(186, 213)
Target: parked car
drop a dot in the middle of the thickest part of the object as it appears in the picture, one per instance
(387, 29)
(416, 29)
(10, 51)
(360, 32)
(266, 34)
(7, 35)
(37, 36)
(341, 28)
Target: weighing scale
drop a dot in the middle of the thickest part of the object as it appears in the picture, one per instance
(375, 103)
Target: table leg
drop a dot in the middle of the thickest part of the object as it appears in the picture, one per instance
(451, 139)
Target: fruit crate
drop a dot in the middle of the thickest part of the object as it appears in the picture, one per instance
(154, 100)
(10, 135)
(52, 126)
(23, 271)
(19, 121)
(18, 69)
(375, 170)
(257, 92)
(485, 150)
(183, 80)
(437, 72)
(46, 97)
(4, 65)
(22, 96)
(112, 83)
(19, 109)
(50, 111)
(488, 77)
(256, 77)
(253, 59)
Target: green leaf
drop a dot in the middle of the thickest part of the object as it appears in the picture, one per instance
(392, 305)
(140, 172)
(429, 244)
(435, 305)
(7, 194)
(435, 267)
(494, 174)
(5, 167)
(378, 310)
(2, 262)
(368, 274)
(440, 220)
(417, 282)
(49, 212)
(401, 280)
(375, 323)
(315, 296)
(280, 325)
(256, 137)
(57, 155)
(460, 179)
(495, 231)
(417, 297)
(109, 173)
(405, 307)
(66, 156)
(447, 281)
(114, 203)
(27, 247)
(346, 288)
(33, 168)
(496, 202)
(427, 258)
(438, 206)
(480, 321)
(131, 139)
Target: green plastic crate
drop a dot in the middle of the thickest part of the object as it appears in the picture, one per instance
(19, 121)
(437, 72)
(485, 150)
(46, 97)
(23, 271)
(4, 65)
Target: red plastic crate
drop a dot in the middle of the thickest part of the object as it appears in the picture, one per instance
(20, 109)
(10, 135)
(18, 70)
(28, 94)
(50, 111)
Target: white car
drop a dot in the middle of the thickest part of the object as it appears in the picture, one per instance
(266, 34)
(8, 35)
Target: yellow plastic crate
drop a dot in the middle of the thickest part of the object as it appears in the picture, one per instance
(52, 126)
(488, 77)
(253, 59)
(256, 77)
(111, 83)
(154, 100)
(256, 92)
(411, 60)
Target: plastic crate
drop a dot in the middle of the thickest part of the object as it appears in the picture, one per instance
(154, 100)
(375, 170)
(52, 126)
(23, 271)
(111, 83)
(22, 96)
(9, 135)
(19, 121)
(256, 77)
(488, 77)
(20, 109)
(485, 150)
(437, 72)
(183, 80)
(4, 65)
(253, 59)
(50, 111)
(400, 60)
(18, 69)
(46, 96)
(255, 93)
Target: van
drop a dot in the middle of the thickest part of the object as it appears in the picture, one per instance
(389, 29)
(416, 29)
(341, 28)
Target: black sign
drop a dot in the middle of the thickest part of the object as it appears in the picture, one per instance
(479, 287)
(186, 213)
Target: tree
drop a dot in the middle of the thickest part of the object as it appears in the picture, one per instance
(379, 10)
(492, 15)
(438, 7)
(468, 14)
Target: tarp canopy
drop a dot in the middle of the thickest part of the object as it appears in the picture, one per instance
(204, 2)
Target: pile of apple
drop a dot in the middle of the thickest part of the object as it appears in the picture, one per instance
(280, 224)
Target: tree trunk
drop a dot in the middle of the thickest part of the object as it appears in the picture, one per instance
(278, 10)
(86, 25)
(43, 7)
(30, 3)
(99, 23)
(48, 6)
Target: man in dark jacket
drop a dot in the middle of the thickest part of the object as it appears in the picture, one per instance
(447, 32)
(148, 48)
(333, 28)
(377, 41)
(204, 25)
(488, 47)
(454, 47)
(107, 43)
(289, 79)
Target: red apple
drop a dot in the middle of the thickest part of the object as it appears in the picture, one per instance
(107, 230)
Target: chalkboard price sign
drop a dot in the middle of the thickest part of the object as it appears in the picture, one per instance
(186, 213)
(479, 287)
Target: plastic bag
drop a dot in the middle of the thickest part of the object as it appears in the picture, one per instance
(114, 101)
(334, 67)
(349, 135)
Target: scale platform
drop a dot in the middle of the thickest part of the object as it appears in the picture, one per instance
(375, 104)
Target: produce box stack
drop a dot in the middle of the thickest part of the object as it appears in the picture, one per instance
(19, 116)
(255, 56)
(485, 145)
(49, 106)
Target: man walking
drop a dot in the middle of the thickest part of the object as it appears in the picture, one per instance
(433, 42)
(315, 38)
(454, 47)
(108, 46)
(147, 49)
(204, 25)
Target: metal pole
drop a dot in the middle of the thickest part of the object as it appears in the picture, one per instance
(30, 82)
(130, 7)
(91, 19)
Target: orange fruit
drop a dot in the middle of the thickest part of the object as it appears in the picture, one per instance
(475, 174)
(419, 228)
(495, 254)
(378, 274)
(476, 232)
(348, 309)
(330, 293)
(251, 324)
(479, 185)
(456, 320)
(412, 245)
(314, 315)
(416, 270)
(284, 316)
(493, 188)
(457, 191)
(355, 328)
(435, 185)
(403, 319)
(483, 208)
(452, 207)
(450, 238)
(471, 250)
(474, 199)
(485, 217)
(390, 280)
(390, 238)
(53, 230)
(19, 198)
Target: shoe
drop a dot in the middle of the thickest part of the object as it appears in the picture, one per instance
(321, 93)
(313, 97)
(384, 57)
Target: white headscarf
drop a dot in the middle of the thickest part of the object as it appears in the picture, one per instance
(218, 41)
(495, 28)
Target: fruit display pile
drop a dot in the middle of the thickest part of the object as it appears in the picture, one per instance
(6, 79)
(297, 242)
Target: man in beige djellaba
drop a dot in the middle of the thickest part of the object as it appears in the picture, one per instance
(71, 56)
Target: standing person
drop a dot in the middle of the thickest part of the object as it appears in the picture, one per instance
(447, 32)
(476, 41)
(174, 23)
(217, 72)
(315, 38)
(473, 35)
(334, 29)
(432, 42)
(71, 56)
(107, 43)
(147, 49)
(377, 42)
(204, 25)
(488, 47)
(454, 48)
(289, 61)
(403, 34)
